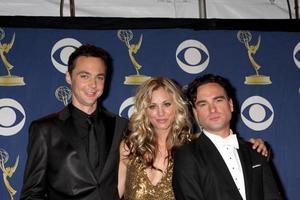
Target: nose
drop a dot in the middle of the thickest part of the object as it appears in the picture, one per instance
(212, 108)
(160, 111)
(93, 83)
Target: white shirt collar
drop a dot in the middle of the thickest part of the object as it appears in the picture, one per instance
(220, 141)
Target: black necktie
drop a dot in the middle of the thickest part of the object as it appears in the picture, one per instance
(93, 147)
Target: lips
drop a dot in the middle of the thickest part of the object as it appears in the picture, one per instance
(162, 121)
(91, 94)
(214, 118)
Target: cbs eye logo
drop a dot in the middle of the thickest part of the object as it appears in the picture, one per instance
(192, 56)
(127, 106)
(257, 113)
(12, 117)
(61, 51)
(296, 55)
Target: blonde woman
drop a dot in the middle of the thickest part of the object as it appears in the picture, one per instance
(159, 124)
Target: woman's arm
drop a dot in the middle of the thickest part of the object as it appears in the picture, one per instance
(124, 152)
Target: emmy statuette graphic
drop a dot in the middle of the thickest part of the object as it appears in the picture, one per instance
(9, 79)
(257, 79)
(125, 36)
(8, 172)
(63, 94)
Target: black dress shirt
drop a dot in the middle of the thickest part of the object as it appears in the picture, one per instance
(82, 127)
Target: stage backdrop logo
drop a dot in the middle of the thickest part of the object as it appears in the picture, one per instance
(10, 111)
(8, 172)
(65, 47)
(259, 110)
(297, 51)
(9, 79)
(63, 94)
(257, 79)
(193, 55)
(127, 105)
(126, 36)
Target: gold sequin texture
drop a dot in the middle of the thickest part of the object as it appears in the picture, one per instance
(139, 187)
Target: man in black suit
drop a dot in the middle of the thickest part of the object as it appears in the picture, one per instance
(74, 154)
(217, 165)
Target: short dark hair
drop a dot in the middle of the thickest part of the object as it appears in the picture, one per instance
(191, 91)
(89, 51)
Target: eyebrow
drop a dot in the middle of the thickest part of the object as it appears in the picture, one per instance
(85, 72)
(165, 101)
(217, 97)
(220, 97)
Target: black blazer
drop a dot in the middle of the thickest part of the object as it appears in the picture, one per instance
(200, 173)
(57, 166)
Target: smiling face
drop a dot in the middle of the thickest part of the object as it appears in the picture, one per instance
(87, 82)
(213, 109)
(161, 111)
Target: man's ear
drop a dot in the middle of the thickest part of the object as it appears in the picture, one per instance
(68, 78)
(231, 105)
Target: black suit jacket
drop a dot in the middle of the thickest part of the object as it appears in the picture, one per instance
(200, 173)
(57, 166)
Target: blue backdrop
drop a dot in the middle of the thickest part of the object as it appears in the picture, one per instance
(269, 104)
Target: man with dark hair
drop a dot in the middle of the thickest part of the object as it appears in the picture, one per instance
(218, 165)
(74, 153)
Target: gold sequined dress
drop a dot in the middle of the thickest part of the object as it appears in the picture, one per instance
(139, 187)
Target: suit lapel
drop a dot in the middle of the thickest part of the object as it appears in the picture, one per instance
(105, 129)
(114, 131)
(219, 166)
(108, 132)
(247, 168)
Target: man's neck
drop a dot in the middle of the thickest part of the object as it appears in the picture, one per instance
(223, 133)
(86, 109)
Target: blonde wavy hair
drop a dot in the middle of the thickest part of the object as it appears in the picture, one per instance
(141, 140)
